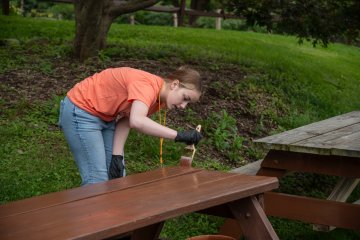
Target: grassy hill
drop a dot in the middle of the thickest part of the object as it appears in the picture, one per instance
(255, 84)
(328, 77)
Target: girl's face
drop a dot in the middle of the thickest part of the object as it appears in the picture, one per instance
(178, 97)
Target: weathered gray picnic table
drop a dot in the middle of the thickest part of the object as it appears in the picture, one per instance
(330, 147)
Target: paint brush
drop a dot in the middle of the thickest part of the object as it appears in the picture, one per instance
(187, 158)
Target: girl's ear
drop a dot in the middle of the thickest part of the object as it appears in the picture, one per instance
(175, 83)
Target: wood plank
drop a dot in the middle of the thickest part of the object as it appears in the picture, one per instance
(248, 169)
(344, 187)
(345, 141)
(192, 12)
(162, 9)
(311, 210)
(282, 140)
(350, 148)
(132, 208)
(252, 219)
(285, 140)
(333, 138)
(314, 163)
(75, 194)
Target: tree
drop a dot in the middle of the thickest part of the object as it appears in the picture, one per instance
(93, 19)
(319, 21)
(199, 5)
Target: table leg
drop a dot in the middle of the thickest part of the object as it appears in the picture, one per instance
(340, 193)
(252, 219)
(151, 232)
(229, 226)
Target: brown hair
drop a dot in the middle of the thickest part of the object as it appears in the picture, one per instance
(188, 78)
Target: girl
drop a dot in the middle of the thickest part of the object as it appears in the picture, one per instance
(98, 112)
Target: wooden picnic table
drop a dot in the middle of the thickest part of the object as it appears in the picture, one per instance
(330, 147)
(139, 204)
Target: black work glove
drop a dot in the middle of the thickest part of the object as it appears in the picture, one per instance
(117, 167)
(188, 137)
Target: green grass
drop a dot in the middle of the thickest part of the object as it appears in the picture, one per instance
(34, 156)
(307, 83)
(328, 78)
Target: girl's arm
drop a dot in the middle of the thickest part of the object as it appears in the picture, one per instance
(121, 133)
(142, 123)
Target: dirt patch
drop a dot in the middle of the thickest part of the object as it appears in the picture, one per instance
(36, 85)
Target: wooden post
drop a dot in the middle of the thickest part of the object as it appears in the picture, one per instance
(218, 20)
(175, 19)
(132, 20)
(6, 7)
(344, 187)
(252, 219)
(182, 13)
(22, 4)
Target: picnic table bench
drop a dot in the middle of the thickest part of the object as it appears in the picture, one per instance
(330, 147)
(139, 204)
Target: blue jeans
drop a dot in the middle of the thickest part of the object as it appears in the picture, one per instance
(90, 140)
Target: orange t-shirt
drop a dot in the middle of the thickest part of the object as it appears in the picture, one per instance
(110, 93)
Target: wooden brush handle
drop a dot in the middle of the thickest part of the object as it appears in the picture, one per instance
(186, 161)
(192, 146)
(198, 128)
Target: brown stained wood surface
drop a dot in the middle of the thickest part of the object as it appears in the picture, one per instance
(125, 205)
(280, 161)
(252, 219)
(311, 210)
(76, 194)
(339, 135)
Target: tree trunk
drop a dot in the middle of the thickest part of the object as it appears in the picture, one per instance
(176, 3)
(93, 19)
(92, 25)
(6, 7)
(199, 5)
